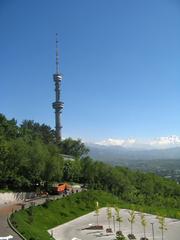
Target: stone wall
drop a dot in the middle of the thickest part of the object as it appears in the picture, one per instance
(6, 198)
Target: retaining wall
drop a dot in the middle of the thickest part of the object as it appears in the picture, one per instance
(6, 198)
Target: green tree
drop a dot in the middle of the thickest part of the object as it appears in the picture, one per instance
(72, 170)
(131, 219)
(109, 215)
(144, 223)
(53, 170)
(38, 157)
(118, 217)
(74, 148)
(35, 129)
(4, 161)
(97, 211)
(162, 225)
(88, 171)
(8, 128)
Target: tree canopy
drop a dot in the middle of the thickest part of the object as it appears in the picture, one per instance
(72, 147)
(29, 158)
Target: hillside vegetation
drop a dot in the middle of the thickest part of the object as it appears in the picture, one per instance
(30, 159)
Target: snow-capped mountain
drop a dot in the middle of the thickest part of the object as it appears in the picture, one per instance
(170, 141)
(157, 143)
(114, 150)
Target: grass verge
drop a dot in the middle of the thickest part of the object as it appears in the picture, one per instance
(5, 190)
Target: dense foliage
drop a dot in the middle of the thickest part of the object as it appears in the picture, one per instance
(30, 158)
(28, 155)
(132, 186)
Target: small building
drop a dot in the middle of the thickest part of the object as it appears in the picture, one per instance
(67, 157)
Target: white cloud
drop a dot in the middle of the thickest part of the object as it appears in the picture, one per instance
(117, 142)
(160, 142)
(166, 141)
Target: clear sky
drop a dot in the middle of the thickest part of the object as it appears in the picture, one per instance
(120, 60)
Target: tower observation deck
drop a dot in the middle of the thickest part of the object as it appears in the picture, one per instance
(57, 105)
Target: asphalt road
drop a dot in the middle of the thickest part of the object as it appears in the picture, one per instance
(5, 210)
(5, 230)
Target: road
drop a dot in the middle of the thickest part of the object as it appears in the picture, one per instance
(5, 210)
(5, 230)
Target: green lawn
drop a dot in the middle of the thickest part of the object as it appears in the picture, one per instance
(33, 223)
(5, 190)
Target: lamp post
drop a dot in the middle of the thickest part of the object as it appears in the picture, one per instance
(52, 234)
(114, 223)
(152, 224)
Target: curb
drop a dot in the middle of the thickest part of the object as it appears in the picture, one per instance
(14, 229)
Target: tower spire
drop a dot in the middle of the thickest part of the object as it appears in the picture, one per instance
(57, 54)
(57, 105)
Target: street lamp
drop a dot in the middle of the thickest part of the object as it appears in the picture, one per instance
(52, 233)
(152, 224)
(114, 224)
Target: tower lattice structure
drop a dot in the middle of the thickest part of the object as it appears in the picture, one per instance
(57, 105)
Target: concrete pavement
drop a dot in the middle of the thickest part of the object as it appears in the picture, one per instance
(73, 229)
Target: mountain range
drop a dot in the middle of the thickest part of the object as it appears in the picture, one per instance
(114, 151)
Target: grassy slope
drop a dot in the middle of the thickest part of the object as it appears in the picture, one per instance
(60, 211)
(5, 190)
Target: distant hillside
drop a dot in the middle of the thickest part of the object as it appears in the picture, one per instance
(115, 154)
(164, 162)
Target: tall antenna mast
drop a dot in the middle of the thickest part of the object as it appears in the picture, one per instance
(57, 54)
(57, 105)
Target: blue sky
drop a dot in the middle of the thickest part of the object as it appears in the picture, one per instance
(120, 60)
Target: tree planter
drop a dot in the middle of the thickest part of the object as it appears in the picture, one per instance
(108, 230)
(131, 236)
(119, 233)
(99, 227)
(120, 236)
(96, 227)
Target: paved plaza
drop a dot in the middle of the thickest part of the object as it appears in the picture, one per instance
(73, 229)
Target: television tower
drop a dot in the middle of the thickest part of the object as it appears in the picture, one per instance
(57, 105)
